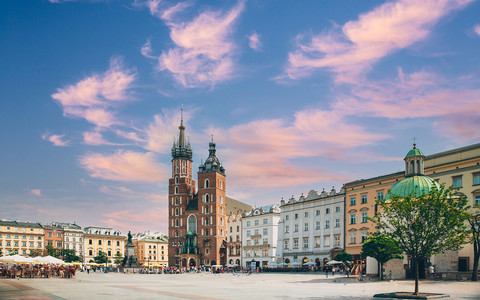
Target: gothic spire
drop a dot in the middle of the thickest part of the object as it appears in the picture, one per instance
(181, 149)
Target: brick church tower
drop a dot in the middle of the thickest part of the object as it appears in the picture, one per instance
(196, 221)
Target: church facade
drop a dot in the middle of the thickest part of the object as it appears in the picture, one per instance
(197, 218)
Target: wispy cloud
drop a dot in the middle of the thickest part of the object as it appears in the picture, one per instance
(351, 50)
(254, 41)
(56, 139)
(476, 29)
(126, 219)
(127, 166)
(93, 97)
(124, 192)
(95, 138)
(36, 192)
(204, 48)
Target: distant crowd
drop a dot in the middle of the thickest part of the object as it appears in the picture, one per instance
(35, 271)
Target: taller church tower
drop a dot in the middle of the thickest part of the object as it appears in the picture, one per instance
(180, 192)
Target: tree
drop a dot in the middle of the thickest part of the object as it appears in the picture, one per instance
(344, 257)
(70, 256)
(101, 258)
(53, 251)
(383, 249)
(118, 259)
(35, 253)
(474, 222)
(426, 225)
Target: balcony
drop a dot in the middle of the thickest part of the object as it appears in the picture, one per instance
(255, 236)
(256, 247)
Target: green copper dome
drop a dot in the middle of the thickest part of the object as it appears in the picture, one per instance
(413, 186)
(414, 152)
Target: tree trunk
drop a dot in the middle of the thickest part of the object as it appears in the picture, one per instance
(381, 271)
(416, 276)
(476, 255)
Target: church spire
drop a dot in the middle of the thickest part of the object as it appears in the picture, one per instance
(181, 149)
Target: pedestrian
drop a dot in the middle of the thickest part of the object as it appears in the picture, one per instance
(88, 269)
(326, 272)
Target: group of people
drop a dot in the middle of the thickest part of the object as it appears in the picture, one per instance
(35, 271)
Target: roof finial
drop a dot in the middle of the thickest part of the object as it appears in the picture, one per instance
(414, 139)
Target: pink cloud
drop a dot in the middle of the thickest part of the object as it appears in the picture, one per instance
(56, 139)
(204, 49)
(36, 192)
(476, 29)
(155, 218)
(254, 41)
(124, 192)
(95, 138)
(351, 51)
(92, 97)
(125, 166)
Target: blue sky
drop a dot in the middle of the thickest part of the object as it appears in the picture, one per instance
(299, 95)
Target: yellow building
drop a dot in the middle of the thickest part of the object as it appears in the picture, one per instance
(151, 248)
(23, 238)
(107, 240)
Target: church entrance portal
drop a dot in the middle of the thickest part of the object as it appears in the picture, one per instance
(192, 263)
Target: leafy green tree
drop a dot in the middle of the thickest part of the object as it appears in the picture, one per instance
(35, 253)
(70, 256)
(425, 225)
(101, 258)
(474, 222)
(344, 257)
(383, 249)
(118, 259)
(53, 251)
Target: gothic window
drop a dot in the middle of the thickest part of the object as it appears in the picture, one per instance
(206, 209)
(176, 190)
(176, 223)
(176, 200)
(207, 198)
(176, 180)
(176, 211)
(192, 224)
(207, 183)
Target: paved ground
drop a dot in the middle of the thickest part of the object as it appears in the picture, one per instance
(218, 286)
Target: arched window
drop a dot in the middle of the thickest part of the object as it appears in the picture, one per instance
(207, 183)
(176, 211)
(176, 224)
(176, 190)
(206, 209)
(207, 198)
(192, 224)
(176, 180)
(176, 200)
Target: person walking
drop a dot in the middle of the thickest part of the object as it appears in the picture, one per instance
(88, 269)
(326, 272)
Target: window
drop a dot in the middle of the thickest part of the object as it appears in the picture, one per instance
(337, 239)
(306, 226)
(50, 234)
(59, 244)
(59, 235)
(364, 217)
(379, 195)
(337, 209)
(265, 221)
(90, 242)
(317, 242)
(327, 211)
(207, 183)
(256, 232)
(326, 241)
(286, 218)
(90, 252)
(353, 238)
(317, 212)
(306, 214)
(305, 242)
(248, 224)
(364, 199)
(476, 178)
(286, 243)
(353, 200)
(327, 223)
(476, 201)
(99, 242)
(295, 243)
(287, 229)
(317, 225)
(118, 243)
(295, 229)
(265, 231)
(248, 233)
(109, 243)
(337, 222)
(296, 216)
(363, 236)
(457, 181)
(238, 228)
(257, 222)
(176, 190)
(353, 219)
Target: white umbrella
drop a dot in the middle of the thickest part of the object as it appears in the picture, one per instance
(48, 260)
(334, 262)
(15, 259)
(310, 263)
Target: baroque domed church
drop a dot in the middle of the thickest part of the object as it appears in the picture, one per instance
(197, 219)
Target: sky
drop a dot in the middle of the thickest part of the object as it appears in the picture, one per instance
(298, 95)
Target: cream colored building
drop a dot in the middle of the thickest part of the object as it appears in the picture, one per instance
(151, 248)
(21, 237)
(107, 240)
(234, 239)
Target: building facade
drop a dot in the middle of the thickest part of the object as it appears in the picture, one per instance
(73, 238)
(151, 249)
(107, 240)
(311, 229)
(234, 240)
(259, 236)
(53, 236)
(22, 238)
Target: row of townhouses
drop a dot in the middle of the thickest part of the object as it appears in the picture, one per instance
(26, 238)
